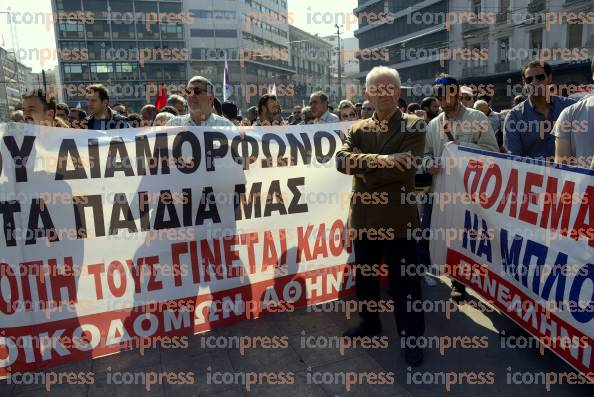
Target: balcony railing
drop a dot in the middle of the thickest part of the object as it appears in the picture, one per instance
(472, 71)
(468, 27)
(502, 67)
(536, 6)
(502, 17)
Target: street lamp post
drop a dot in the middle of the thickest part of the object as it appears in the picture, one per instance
(339, 63)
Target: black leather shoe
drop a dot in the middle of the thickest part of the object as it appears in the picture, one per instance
(365, 328)
(413, 356)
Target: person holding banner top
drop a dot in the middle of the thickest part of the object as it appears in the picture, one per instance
(200, 101)
(379, 152)
(459, 125)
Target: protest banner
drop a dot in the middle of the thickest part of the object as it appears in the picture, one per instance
(111, 237)
(520, 233)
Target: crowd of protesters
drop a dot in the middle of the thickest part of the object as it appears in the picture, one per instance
(518, 130)
(540, 126)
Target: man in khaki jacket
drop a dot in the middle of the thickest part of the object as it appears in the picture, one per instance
(379, 152)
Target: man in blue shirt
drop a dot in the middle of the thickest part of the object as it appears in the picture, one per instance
(528, 126)
(201, 98)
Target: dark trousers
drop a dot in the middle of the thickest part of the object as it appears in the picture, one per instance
(397, 254)
(423, 243)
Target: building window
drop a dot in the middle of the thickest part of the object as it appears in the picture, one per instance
(170, 7)
(503, 47)
(536, 41)
(503, 6)
(73, 68)
(476, 6)
(124, 67)
(213, 14)
(213, 33)
(68, 5)
(101, 69)
(574, 35)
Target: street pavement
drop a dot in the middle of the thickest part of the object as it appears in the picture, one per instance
(320, 371)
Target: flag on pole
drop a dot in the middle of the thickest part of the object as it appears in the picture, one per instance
(78, 105)
(228, 90)
(161, 101)
(273, 90)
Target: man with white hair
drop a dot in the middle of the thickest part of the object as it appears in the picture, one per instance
(17, 116)
(200, 101)
(494, 118)
(162, 119)
(178, 102)
(379, 153)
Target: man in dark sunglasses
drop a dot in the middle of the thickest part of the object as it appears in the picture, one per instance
(527, 128)
(200, 92)
(367, 110)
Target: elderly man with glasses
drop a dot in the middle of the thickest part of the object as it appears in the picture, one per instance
(367, 110)
(200, 103)
(347, 111)
(467, 96)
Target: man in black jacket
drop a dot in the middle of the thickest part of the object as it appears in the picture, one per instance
(102, 116)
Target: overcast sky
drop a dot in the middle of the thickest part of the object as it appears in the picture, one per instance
(313, 16)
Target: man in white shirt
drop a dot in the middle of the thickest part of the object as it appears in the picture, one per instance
(574, 133)
(456, 124)
(459, 125)
(494, 118)
(318, 102)
(200, 103)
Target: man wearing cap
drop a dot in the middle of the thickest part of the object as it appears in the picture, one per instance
(200, 102)
(467, 96)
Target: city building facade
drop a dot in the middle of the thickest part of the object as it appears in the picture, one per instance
(15, 80)
(131, 46)
(254, 35)
(512, 33)
(311, 57)
(349, 59)
(408, 35)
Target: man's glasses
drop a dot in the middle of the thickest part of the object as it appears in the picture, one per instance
(195, 90)
(539, 77)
